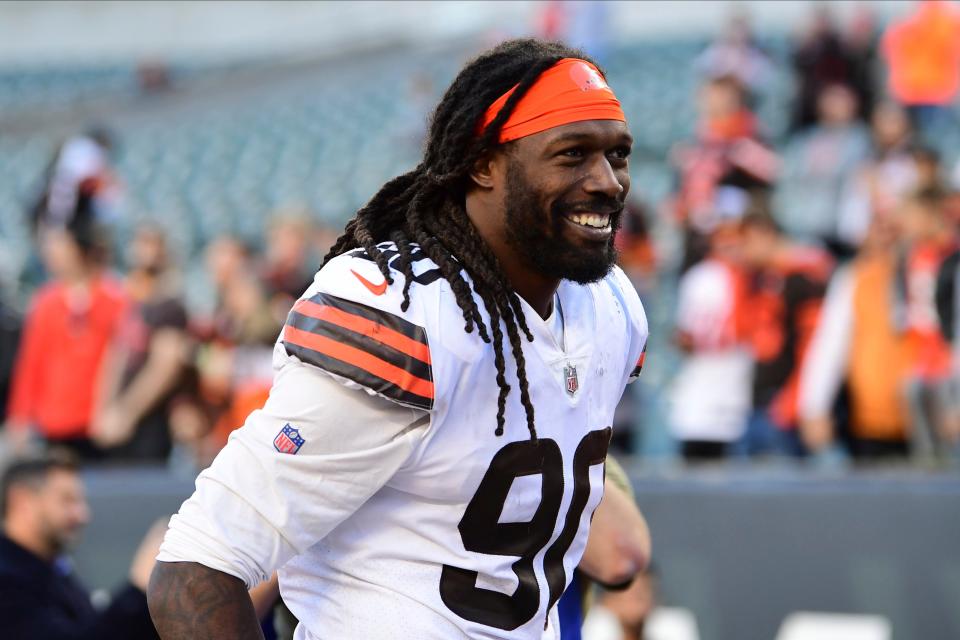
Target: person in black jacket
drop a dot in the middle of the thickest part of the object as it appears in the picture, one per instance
(44, 511)
(10, 323)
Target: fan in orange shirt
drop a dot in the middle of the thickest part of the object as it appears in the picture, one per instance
(923, 55)
(71, 322)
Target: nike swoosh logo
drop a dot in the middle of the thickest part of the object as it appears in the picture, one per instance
(375, 289)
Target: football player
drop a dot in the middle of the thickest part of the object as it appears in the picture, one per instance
(433, 446)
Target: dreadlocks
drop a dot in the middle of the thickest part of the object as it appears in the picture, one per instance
(427, 205)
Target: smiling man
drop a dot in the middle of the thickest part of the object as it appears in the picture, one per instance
(410, 476)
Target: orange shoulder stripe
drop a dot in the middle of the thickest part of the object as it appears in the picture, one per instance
(360, 359)
(366, 327)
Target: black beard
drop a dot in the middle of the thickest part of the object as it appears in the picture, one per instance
(538, 236)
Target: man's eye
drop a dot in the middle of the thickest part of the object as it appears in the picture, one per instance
(575, 152)
(621, 153)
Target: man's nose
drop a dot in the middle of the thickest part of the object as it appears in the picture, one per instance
(602, 179)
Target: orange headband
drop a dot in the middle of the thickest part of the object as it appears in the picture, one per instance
(570, 91)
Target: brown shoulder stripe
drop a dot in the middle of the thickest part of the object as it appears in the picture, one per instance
(374, 348)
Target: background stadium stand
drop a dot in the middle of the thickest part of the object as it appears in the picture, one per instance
(226, 147)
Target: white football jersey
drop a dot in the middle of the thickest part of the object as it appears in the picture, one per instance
(472, 535)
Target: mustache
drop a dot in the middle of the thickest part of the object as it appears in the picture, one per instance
(612, 207)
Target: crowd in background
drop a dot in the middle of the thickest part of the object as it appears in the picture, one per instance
(113, 362)
(816, 294)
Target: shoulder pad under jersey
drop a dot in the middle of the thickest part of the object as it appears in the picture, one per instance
(350, 324)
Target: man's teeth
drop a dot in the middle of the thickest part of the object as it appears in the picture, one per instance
(594, 220)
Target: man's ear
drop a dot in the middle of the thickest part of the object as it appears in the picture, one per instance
(484, 171)
(19, 495)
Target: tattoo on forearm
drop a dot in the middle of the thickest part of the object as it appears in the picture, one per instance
(191, 601)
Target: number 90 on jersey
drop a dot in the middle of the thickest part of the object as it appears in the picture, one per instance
(482, 532)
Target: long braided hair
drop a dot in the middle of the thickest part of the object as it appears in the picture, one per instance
(427, 207)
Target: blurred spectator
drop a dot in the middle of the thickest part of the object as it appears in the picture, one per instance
(821, 59)
(224, 258)
(578, 23)
(928, 239)
(44, 511)
(81, 161)
(881, 325)
(735, 53)
(233, 363)
(148, 358)
(287, 269)
(881, 181)
(818, 164)
(710, 395)
(80, 170)
(67, 331)
(788, 283)
(857, 340)
(638, 260)
(818, 59)
(724, 169)
(9, 341)
(251, 354)
(637, 255)
(948, 313)
(861, 37)
(208, 390)
(929, 169)
(923, 56)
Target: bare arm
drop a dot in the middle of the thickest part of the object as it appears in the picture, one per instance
(189, 600)
(265, 595)
(162, 370)
(168, 354)
(619, 544)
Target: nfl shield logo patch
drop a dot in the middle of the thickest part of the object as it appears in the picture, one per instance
(288, 440)
(570, 377)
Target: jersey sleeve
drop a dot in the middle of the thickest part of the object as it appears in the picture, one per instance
(350, 325)
(823, 369)
(636, 319)
(296, 469)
